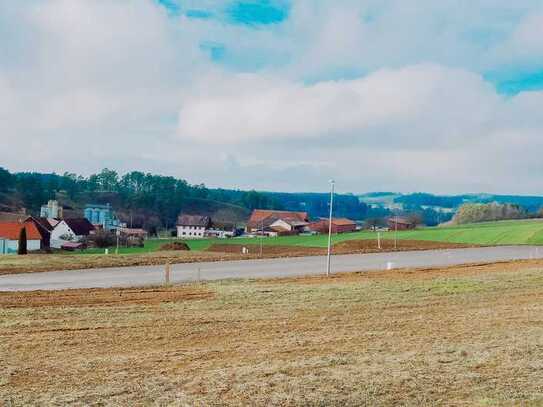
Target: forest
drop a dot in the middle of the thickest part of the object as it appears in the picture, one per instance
(155, 200)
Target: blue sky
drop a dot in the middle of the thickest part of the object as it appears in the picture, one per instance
(259, 14)
(441, 96)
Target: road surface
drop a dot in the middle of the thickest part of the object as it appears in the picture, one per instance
(266, 268)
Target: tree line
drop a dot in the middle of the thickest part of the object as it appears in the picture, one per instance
(158, 195)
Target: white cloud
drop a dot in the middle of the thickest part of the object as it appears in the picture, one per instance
(86, 84)
(437, 101)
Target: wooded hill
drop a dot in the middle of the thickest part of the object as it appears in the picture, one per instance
(155, 201)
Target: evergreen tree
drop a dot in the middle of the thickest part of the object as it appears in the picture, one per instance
(22, 249)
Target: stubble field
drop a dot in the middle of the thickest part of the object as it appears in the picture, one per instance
(455, 336)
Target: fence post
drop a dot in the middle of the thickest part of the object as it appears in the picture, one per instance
(167, 271)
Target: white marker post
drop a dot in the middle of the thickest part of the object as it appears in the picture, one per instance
(379, 240)
(167, 271)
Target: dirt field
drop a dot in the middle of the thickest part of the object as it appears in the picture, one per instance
(458, 336)
(347, 247)
(51, 262)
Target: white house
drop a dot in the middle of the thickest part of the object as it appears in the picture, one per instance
(9, 237)
(193, 226)
(69, 231)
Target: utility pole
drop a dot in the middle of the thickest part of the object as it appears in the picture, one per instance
(332, 184)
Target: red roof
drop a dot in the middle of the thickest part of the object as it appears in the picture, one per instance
(11, 230)
(259, 215)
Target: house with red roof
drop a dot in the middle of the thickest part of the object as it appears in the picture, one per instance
(9, 236)
(277, 222)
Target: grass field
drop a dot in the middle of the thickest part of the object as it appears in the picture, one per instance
(458, 336)
(489, 233)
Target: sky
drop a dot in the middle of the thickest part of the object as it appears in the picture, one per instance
(380, 95)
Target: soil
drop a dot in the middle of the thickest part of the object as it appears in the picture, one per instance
(347, 247)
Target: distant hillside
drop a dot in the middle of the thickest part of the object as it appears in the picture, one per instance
(437, 209)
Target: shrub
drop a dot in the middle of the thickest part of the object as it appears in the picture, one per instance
(472, 213)
(174, 246)
(102, 238)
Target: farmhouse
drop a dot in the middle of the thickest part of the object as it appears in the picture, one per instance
(277, 222)
(70, 233)
(9, 237)
(193, 226)
(400, 223)
(339, 225)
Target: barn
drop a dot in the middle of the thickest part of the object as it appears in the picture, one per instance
(339, 225)
(400, 223)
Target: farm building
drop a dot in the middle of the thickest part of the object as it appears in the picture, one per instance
(400, 223)
(339, 225)
(278, 222)
(52, 210)
(193, 226)
(9, 234)
(70, 231)
(101, 216)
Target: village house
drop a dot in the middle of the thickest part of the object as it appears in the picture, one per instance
(339, 225)
(273, 223)
(193, 226)
(9, 237)
(400, 223)
(71, 233)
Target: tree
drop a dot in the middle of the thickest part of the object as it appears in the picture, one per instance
(6, 180)
(22, 249)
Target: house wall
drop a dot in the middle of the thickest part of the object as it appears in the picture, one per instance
(11, 246)
(191, 232)
(322, 227)
(400, 226)
(62, 229)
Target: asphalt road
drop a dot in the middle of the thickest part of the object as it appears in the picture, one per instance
(266, 268)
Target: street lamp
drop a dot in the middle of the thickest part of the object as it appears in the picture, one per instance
(332, 184)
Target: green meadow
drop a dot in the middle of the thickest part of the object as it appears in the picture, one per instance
(515, 232)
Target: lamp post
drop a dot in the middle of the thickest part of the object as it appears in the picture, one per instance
(332, 184)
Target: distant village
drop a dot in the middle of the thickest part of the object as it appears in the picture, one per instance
(59, 229)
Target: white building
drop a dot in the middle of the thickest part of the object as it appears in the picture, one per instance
(70, 231)
(52, 210)
(193, 226)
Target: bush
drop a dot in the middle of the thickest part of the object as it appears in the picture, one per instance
(174, 246)
(472, 213)
(102, 238)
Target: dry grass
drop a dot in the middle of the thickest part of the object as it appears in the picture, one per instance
(456, 336)
(32, 263)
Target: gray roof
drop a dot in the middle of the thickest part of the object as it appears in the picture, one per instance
(194, 220)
